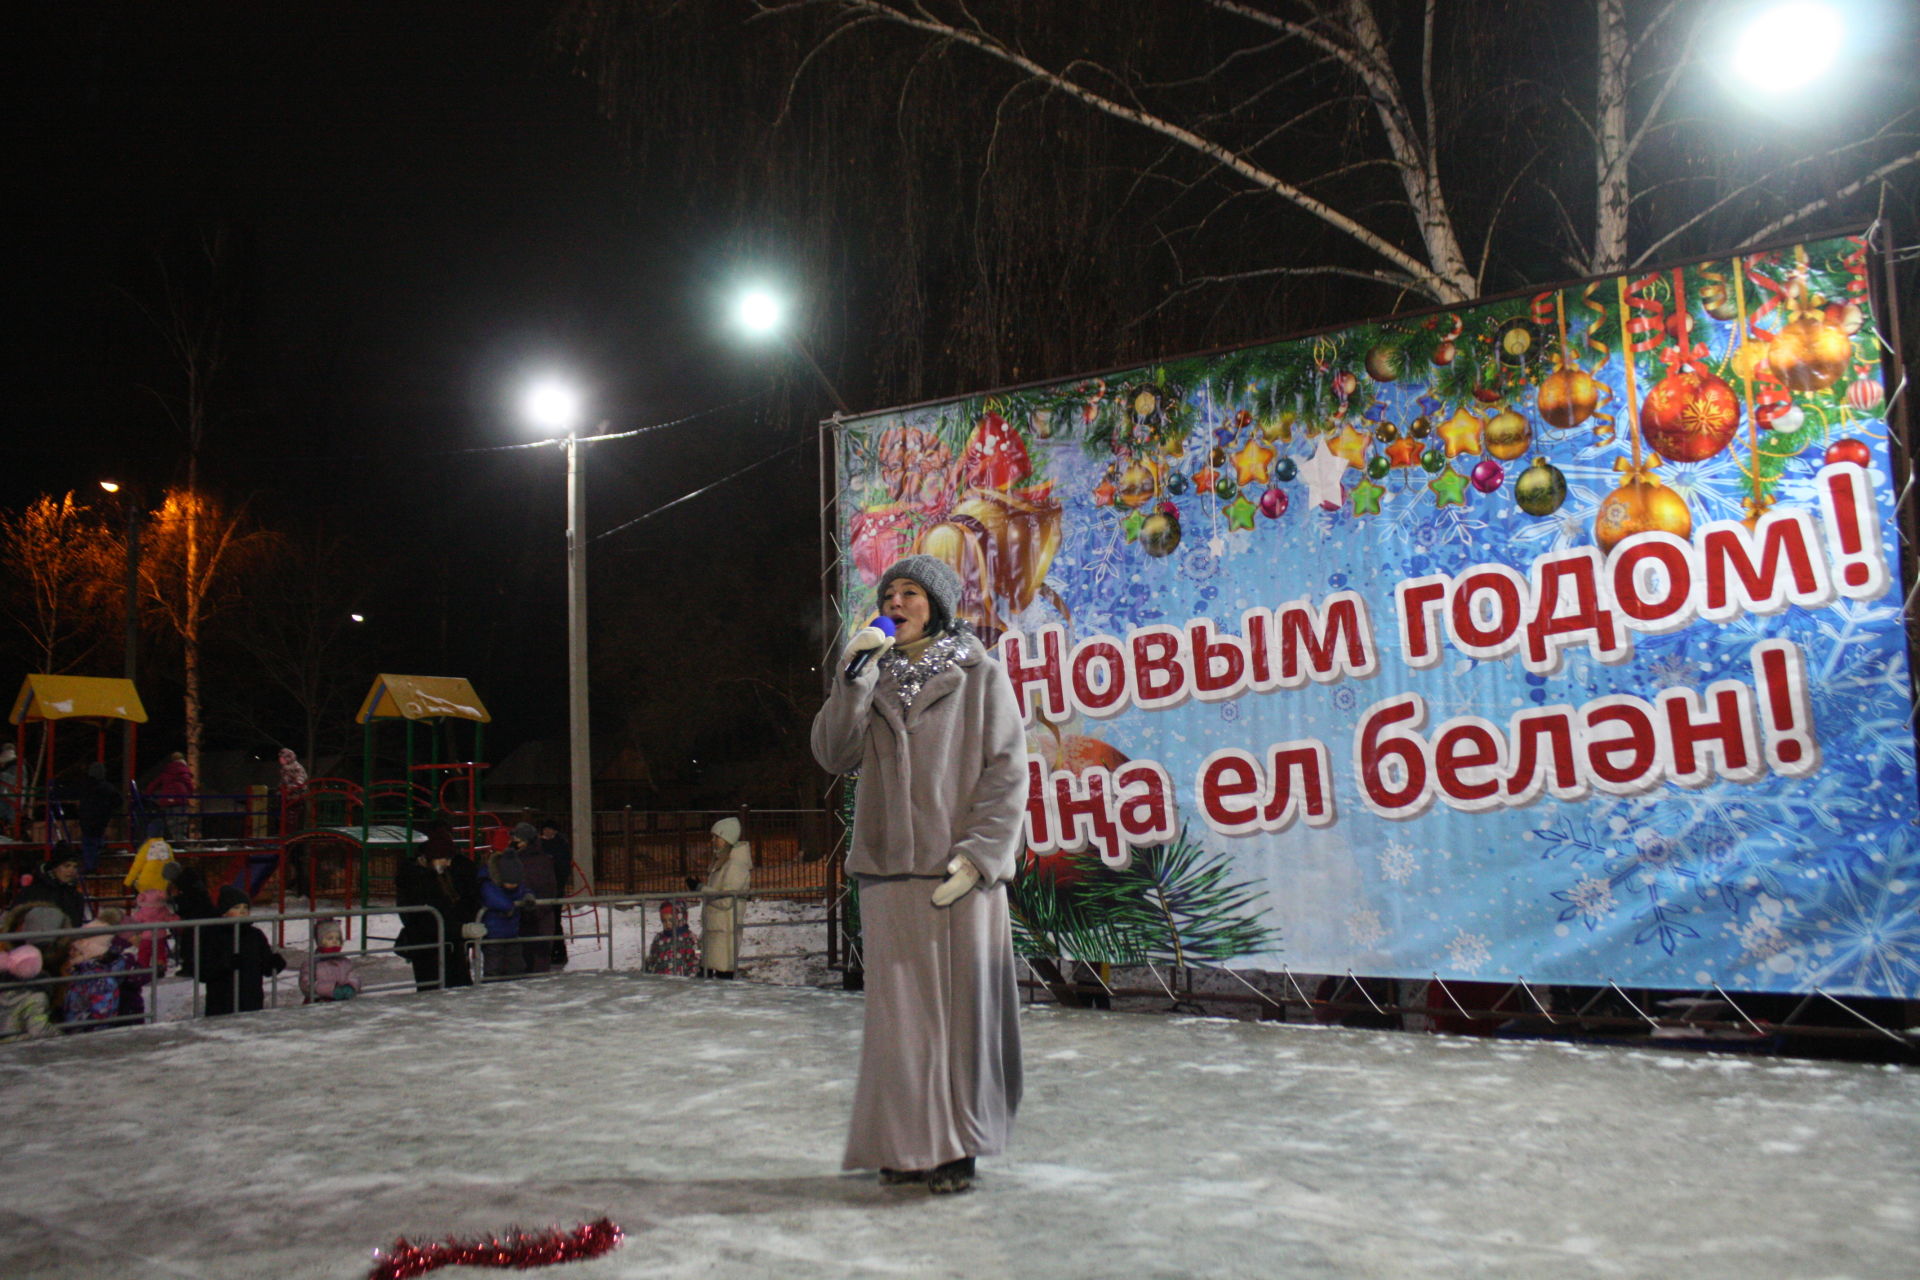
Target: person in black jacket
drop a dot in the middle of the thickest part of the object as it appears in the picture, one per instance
(57, 883)
(235, 959)
(428, 879)
(555, 848)
(187, 893)
(99, 800)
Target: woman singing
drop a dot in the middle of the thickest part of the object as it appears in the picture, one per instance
(934, 732)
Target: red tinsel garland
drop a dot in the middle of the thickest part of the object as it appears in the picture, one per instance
(516, 1251)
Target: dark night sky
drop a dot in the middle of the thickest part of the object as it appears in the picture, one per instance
(427, 210)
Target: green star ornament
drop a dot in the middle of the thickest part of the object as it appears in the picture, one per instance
(1366, 497)
(1240, 513)
(1131, 525)
(1449, 489)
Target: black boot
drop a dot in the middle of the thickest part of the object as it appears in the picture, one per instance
(952, 1177)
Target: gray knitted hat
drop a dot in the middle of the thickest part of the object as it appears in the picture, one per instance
(936, 576)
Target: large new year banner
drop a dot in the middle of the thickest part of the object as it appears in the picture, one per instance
(1557, 638)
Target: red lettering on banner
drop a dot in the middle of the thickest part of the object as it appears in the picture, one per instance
(1589, 622)
(1466, 761)
(1786, 718)
(1335, 640)
(1219, 662)
(1484, 611)
(1853, 531)
(1626, 763)
(1226, 778)
(1390, 762)
(1039, 813)
(1237, 797)
(1047, 671)
(1699, 750)
(1097, 675)
(1788, 569)
(1304, 763)
(1556, 772)
(1419, 603)
(1159, 677)
(1666, 603)
(1084, 805)
(1257, 626)
(1144, 806)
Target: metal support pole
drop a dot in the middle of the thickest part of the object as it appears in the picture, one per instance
(580, 758)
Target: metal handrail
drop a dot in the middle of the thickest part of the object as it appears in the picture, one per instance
(153, 971)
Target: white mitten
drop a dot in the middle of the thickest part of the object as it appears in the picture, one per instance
(865, 639)
(963, 875)
(473, 932)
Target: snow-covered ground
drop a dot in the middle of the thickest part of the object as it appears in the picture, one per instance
(706, 1119)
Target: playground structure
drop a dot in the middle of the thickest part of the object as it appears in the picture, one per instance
(46, 701)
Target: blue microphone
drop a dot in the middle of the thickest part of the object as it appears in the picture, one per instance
(882, 624)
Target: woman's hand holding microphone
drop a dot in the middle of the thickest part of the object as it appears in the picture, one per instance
(868, 643)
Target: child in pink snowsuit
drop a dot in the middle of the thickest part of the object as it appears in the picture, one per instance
(328, 974)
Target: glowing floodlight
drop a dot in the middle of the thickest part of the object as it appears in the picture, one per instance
(1789, 46)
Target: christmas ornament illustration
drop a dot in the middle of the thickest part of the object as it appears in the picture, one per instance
(1541, 489)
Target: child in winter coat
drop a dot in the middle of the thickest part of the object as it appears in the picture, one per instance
(502, 898)
(93, 969)
(23, 1009)
(674, 949)
(149, 869)
(328, 974)
(235, 959)
(150, 949)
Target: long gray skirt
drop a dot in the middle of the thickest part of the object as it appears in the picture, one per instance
(940, 1059)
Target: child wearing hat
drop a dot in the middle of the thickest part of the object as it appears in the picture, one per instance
(503, 896)
(674, 950)
(328, 974)
(149, 869)
(94, 969)
(236, 959)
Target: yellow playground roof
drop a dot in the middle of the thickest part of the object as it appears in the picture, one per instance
(421, 698)
(69, 697)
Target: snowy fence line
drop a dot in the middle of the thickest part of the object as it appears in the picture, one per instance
(149, 974)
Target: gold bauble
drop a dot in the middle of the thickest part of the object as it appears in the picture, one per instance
(1640, 506)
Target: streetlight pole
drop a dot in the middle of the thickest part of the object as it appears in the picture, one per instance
(579, 739)
(553, 406)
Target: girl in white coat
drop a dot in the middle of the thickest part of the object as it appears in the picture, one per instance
(720, 920)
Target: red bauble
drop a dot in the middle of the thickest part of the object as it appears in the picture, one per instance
(996, 456)
(1690, 415)
(1849, 450)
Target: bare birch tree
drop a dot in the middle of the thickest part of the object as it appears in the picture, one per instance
(61, 564)
(197, 555)
(1434, 152)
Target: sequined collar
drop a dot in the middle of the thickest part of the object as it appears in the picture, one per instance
(910, 677)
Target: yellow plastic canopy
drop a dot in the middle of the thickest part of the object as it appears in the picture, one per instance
(71, 697)
(421, 698)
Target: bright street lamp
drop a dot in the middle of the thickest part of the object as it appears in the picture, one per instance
(759, 313)
(1788, 46)
(552, 405)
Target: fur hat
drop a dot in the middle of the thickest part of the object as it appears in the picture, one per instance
(936, 577)
(728, 829)
(22, 961)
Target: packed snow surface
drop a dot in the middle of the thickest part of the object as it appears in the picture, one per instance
(706, 1119)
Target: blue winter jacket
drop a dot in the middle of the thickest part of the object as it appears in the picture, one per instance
(502, 908)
